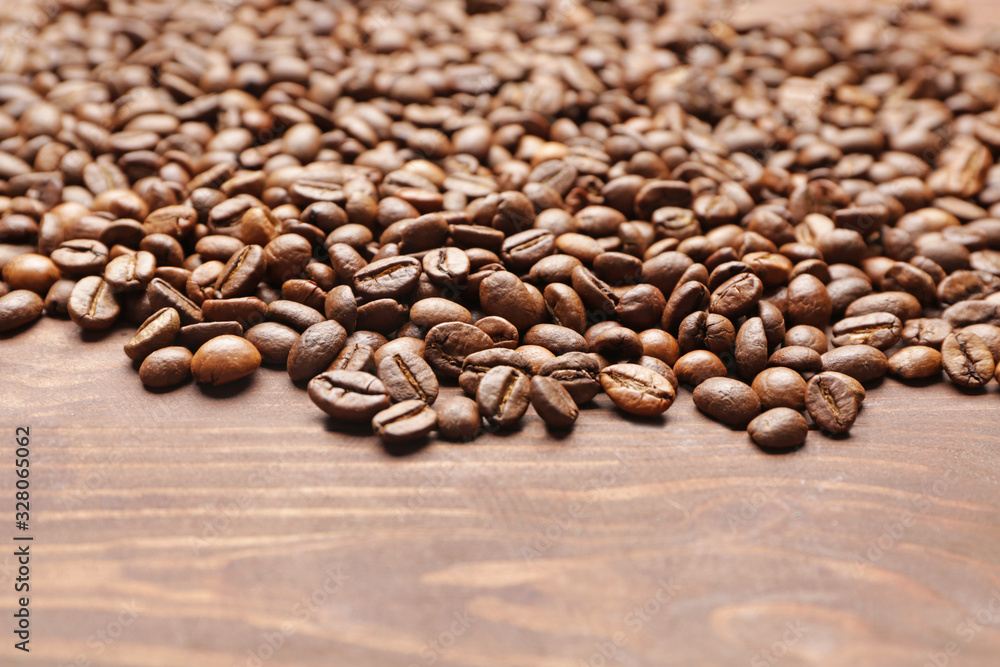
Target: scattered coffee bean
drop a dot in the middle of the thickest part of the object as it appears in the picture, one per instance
(726, 400)
(349, 395)
(458, 418)
(967, 360)
(224, 359)
(831, 402)
(916, 362)
(637, 390)
(407, 376)
(778, 428)
(405, 421)
(862, 362)
(553, 402)
(20, 307)
(503, 396)
(166, 367)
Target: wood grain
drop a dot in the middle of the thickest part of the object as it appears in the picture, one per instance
(241, 527)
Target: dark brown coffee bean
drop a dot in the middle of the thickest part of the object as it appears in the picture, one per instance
(306, 292)
(780, 387)
(450, 343)
(166, 367)
(345, 261)
(737, 296)
(193, 336)
(880, 330)
(80, 257)
(701, 330)
(554, 269)
(916, 362)
(751, 348)
(831, 402)
(636, 389)
(433, 311)
(522, 250)
(458, 418)
(407, 376)
(273, 340)
(503, 396)
(778, 428)
(357, 357)
(342, 307)
(967, 313)
(641, 307)
(502, 294)
(30, 271)
(728, 401)
(247, 310)
(242, 273)
(502, 332)
(349, 395)
(57, 298)
(901, 304)
(400, 345)
(163, 295)
(688, 298)
(159, 330)
(19, 307)
(926, 331)
(92, 305)
(558, 340)
(967, 360)
(617, 343)
(565, 307)
(447, 266)
(390, 278)
(553, 402)
(404, 422)
(478, 364)
(596, 295)
(697, 366)
(798, 358)
(224, 359)
(286, 257)
(990, 335)
(808, 302)
(805, 335)
(315, 349)
(862, 362)
(655, 365)
(576, 371)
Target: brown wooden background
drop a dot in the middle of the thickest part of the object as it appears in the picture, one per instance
(203, 528)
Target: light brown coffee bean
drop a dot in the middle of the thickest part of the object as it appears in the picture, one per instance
(224, 359)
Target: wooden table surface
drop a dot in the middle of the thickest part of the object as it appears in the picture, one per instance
(240, 526)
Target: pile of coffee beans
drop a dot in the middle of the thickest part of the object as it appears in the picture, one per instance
(536, 200)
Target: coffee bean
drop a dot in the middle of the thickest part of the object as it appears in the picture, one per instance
(967, 360)
(617, 343)
(19, 307)
(553, 402)
(502, 294)
(637, 390)
(405, 421)
(990, 335)
(926, 331)
(407, 376)
(162, 295)
(435, 310)
(798, 358)
(273, 340)
(447, 266)
(594, 292)
(565, 307)
(296, 315)
(450, 343)
(57, 298)
(477, 364)
(832, 402)
(30, 271)
(912, 363)
(242, 273)
(751, 348)
(967, 313)
(805, 335)
(458, 418)
(503, 396)
(166, 367)
(247, 310)
(695, 367)
(341, 307)
(80, 257)
(193, 336)
(641, 307)
(808, 302)
(862, 362)
(688, 298)
(224, 359)
(92, 305)
(349, 395)
(357, 357)
(315, 349)
(737, 296)
(286, 257)
(780, 387)
(559, 340)
(576, 371)
(880, 330)
(390, 278)
(778, 428)
(158, 331)
(728, 401)
(901, 304)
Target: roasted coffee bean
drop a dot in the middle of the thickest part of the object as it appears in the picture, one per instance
(636, 389)
(688, 298)
(522, 250)
(357, 357)
(502, 294)
(399, 345)
(831, 402)
(596, 295)
(286, 257)
(390, 278)
(201, 283)
(503, 396)
(19, 307)
(845, 291)
(247, 310)
(193, 336)
(162, 295)
(778, 428)
(798, 358)
(559, 340)
(553, 402)
(315, 349)
(242, 273)
(458, 418)
(57, 298)
(565, 307)
(916, 362)
(273, 340)
(576, 371)
(478, 364)
(780, 387)
(447, 266)
(640, 308)
(224, 359)
(880, 330)
(450, 343)
(80, 257)
(967, 360)
(990, 335)
(737, 296)
(655, 365)
(502, 332)
(805, 335)
(901, 304)
(166, 367)
(159, 330)
(30, 271)
(660, 344)
(429, 313)
(695, 367)
(808, 302)
(751, 348)
(306, 292)
(349, 395)
(926, 331)
(617, 343)
(728, 401)
(702, 330)
(341, 307)
(405, 421)
(296, 315)
(92, 305)
(966, 313)
(862, 362)
(407, 376)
